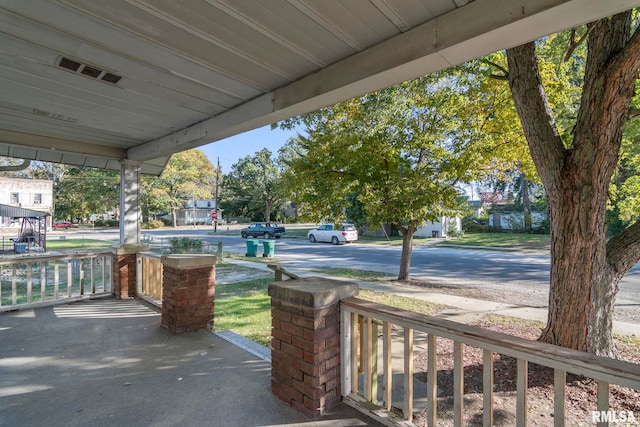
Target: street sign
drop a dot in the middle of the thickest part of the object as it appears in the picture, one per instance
(214, 215)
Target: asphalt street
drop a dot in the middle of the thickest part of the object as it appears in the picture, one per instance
(525, 273)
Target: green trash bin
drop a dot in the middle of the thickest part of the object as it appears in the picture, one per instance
(252, 247)
(269, 248)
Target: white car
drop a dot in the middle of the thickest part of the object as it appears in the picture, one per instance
(337, 235)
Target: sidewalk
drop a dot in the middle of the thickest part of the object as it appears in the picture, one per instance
(461, 309)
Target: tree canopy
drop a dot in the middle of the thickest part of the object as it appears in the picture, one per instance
(399, 153)
(188, 175)
(253, 187)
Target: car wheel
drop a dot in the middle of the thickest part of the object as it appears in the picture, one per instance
(335, 240)
(244, 235)
(312, 238)
(266, 235)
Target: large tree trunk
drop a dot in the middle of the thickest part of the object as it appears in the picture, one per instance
(585, 270)
(407, 248)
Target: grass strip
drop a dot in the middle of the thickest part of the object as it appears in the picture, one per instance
(56, 245)
(245, 308)
(503, 240)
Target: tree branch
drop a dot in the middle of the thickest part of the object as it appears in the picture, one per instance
(623, 250)
(545, 144)
(504, 71)
(628, 59)
(573, 44)
(609, 83)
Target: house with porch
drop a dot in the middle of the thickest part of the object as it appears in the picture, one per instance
(123, 85)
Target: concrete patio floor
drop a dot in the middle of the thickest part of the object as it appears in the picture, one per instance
(108, 362)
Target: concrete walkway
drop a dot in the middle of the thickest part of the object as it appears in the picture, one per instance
(461, 309)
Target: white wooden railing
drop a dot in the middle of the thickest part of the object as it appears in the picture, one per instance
(36, 280)
(359, 347)
(149, 277)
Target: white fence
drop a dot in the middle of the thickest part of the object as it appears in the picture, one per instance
(36, 280)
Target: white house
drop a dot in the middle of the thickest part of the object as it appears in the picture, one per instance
(440, 228)
(33, 194)
(515, 220)
(200, 210)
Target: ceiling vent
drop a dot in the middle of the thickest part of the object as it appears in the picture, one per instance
(88, 70)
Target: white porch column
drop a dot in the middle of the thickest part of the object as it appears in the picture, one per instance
(129, 202)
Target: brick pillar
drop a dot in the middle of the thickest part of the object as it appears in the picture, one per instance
(305, 336)
(188, 288)
(123, 267)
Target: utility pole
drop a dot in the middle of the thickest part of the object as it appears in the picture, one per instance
(215, 201)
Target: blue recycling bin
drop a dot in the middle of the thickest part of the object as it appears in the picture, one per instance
(252, 247)
(20, 248)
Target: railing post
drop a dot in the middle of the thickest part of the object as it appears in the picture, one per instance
(305, 359)
(346, 352)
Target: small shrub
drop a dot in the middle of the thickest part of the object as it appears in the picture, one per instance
(473, 224)
(452, 229)
(541, 228)
(156, 223)
(185, 245)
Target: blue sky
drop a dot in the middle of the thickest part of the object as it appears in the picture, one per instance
(232, 149)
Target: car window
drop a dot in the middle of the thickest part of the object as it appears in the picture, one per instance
(349, 227)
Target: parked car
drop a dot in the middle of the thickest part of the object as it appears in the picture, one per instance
(63, 224)
(346, 233)
(268, 230)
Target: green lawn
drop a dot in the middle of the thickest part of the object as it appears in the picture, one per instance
(504, 240)
(57, 244)
(497, 240)
(245, 308)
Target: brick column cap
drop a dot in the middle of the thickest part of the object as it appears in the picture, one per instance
(128, 249)
(314, 292)
(188, 261)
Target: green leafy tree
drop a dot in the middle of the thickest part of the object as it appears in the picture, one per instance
(188, 175)
(401, 150)
(85, 191)
(254, 184)
(576, 157)
(624, 193)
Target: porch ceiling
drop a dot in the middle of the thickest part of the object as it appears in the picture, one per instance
(91, 83)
